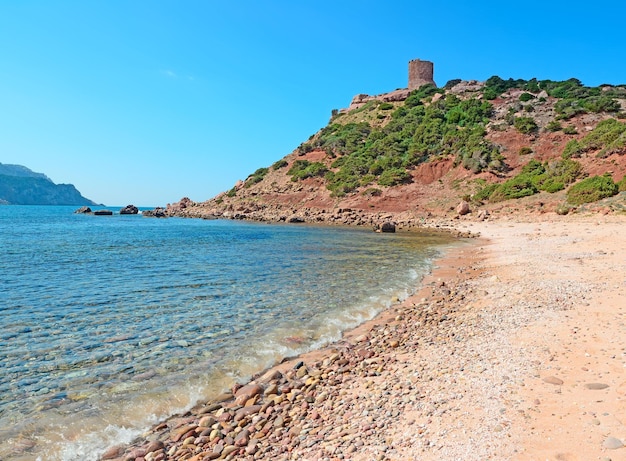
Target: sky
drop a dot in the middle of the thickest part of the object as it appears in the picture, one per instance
(147, 101)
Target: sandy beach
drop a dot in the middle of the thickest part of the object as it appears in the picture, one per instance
(513, 349)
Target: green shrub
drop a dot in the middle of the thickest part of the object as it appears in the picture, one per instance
(608, 137)
(485, 193)
(553, 126)
(393, 177)
(621, 185)
(282, 163)
(526, 97)
(516, 187)
(572, 149)
(302, 169)
(552, 185)
(526, 125)
(372, 192)
(490, 94)
(563, 209)
(256, 177)
(232, 192)
(568, 108)
(570, 129)
(495, 86)
(565, 170)
(385, 106)
(525, 150)
(592, 189)
(452, 83)
(601, 104)
(305, 148)
(533, 168)
(529, 108)
(534, 176)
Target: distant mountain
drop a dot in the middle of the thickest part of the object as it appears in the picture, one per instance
(21, 186)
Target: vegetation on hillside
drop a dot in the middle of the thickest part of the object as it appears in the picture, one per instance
(378, 144)
(608, 137)
(592, 189)
(415, 133)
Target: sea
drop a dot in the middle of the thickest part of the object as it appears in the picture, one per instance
(110, 324)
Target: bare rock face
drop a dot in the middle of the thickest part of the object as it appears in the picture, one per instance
(182, 204)
(83, 210)
(470, 86)
(463, 208)
(396, 96)
(129, 209)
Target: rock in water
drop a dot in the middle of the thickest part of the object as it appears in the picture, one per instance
(388, 227)
(129, 209)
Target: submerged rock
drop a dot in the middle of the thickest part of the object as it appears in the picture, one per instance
(103, 212)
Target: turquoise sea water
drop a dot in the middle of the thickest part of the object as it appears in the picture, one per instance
(110, 324)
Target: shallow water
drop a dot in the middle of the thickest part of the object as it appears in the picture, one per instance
(110, 324)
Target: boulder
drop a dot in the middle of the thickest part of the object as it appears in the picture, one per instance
(463, 208)
(103, 212)
(388, 227)
(483, 215)
(247, 392)
(181, 205)
(83, 210)
(158, 212)
(129, 209)
(397, 95)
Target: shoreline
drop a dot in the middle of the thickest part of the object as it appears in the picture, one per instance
(327, 371)
(457, 371)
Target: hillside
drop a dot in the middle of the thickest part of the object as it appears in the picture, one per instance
(503, 146)
(21, 186)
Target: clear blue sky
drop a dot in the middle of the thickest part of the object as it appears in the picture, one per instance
(147, 101)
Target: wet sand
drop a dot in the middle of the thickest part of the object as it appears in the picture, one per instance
(514, 348)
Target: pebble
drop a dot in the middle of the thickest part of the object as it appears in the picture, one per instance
(553, 380)
(596, 386)
(349, 403)
(612, 443)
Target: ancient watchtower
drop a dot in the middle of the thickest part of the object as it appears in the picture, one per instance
(420, 73)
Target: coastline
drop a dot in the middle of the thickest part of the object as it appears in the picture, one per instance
(467, 368)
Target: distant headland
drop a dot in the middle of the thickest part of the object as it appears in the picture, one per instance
(22, 186)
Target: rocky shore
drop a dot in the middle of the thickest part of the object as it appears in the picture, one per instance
(511, 350)
(405, 220)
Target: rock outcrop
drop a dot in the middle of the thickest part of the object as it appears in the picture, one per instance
(158, 212)
(129, 209)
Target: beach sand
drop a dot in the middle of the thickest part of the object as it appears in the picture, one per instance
(513, 349)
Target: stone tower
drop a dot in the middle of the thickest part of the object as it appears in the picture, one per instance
(420, 73)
